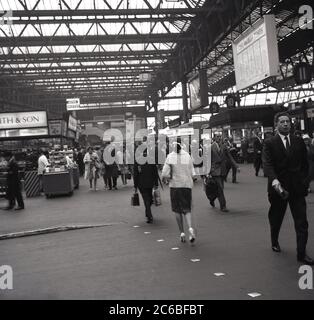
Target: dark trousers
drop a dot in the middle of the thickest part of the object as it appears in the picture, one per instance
(40, 182)
(81, 169)
(229, 166)
(14, 193)
(221, 195)
(111, 182)
(257, 164)
(147, 195)
(276, 214)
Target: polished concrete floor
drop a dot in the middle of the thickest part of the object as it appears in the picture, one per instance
(129, 259)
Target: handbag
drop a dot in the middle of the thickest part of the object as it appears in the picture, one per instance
(128, 175)
(211, 188)
(156, 197)
(135, 200)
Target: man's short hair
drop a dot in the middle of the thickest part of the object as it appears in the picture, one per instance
(281, 114)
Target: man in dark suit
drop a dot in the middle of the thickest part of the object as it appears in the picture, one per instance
(257, 148)
(145, 176)
(13, 183)
(285, 165)
(218, 170)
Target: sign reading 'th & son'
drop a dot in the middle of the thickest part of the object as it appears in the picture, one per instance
(18, 120)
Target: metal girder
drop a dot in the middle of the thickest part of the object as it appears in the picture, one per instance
(107, 12)
(93, 40)
(126, 73)
(134, 67)
(85, 56)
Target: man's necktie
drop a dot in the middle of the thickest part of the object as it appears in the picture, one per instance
(287, 143)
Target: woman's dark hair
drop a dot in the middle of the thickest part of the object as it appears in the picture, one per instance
(178, 146)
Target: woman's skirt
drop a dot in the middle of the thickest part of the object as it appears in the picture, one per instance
(181, 200)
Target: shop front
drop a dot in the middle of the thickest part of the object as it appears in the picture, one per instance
(19, 131)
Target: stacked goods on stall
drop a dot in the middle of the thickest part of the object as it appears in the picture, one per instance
(57, 159)
(60, 178)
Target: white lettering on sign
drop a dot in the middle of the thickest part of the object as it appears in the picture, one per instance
(23, 120)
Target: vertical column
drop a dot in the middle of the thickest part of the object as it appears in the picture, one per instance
(155, 106)
(185, 101)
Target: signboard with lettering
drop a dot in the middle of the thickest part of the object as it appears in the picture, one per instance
(255, 53)
(73, 104)
(55, 127)
(72, 123)
(21, 120)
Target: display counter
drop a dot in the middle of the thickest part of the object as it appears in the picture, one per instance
(58, 183)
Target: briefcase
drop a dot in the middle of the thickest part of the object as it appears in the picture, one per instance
(135, 200)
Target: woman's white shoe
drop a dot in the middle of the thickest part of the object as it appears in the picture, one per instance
(192, 235)
(182, 237)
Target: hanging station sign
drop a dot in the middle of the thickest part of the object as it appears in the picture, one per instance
(72, 123)
(73, 104)
(198, 90)
(255, 53)
(23, 120)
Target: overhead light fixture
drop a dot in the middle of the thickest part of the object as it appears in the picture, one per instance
(145, 77)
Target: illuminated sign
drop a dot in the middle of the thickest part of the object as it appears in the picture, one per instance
(20, 120)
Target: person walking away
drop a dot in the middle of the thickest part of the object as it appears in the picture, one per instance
(112, 169)
(179, 172)
(257, 149)
(42, 165)
(244, 149)
(122, 162)
(310, 159)
(145, 177)
(13, 183)
(229, 154)
(286, 166)
(80, 162)
(217, 171)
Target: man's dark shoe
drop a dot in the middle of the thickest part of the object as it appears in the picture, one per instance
(19, 208)
(224, 210)
(212, 203)
(8, 208)
(306, 260)
(149, 220)
(276, 248)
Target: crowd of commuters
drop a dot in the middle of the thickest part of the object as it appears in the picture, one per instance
(286, 158)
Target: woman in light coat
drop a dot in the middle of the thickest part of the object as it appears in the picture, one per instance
(92, 167)
(178, 171)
